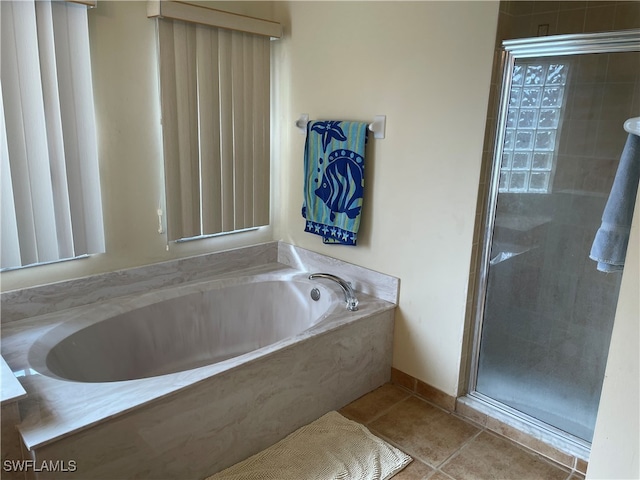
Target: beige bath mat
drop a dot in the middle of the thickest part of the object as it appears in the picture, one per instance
(330, 448)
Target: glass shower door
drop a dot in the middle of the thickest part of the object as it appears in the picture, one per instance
(548, 313)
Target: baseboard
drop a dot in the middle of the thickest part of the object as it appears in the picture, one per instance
(423, 390)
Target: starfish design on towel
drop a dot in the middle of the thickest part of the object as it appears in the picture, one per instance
(329, 130)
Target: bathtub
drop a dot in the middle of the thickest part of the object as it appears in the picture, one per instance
(191, 330)
(184, 381)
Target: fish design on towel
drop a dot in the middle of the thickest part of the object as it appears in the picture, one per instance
(341, 187)
(334, 179)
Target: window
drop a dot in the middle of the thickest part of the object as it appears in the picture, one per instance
(214, 85)
(51, 203)
(533, 122)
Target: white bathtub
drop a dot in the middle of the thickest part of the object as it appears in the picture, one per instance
(192, 330)
(182, 382)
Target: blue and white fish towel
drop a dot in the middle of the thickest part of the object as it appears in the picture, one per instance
(334, 179)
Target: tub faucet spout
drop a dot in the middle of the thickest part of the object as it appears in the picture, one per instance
(349, 295)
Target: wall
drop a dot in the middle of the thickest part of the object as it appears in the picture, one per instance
(427, 66)
(616, 442)
(123, 48)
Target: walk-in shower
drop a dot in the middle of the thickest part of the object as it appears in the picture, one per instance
(544, 314)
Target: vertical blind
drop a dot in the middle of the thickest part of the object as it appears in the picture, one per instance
(215, 86)
(51, 202)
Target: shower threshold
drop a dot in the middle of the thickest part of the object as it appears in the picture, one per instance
(530, 426)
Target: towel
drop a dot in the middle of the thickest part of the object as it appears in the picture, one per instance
(334, 179)
(329, 448)
(610, 244)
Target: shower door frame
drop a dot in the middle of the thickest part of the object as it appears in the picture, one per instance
(551, 46)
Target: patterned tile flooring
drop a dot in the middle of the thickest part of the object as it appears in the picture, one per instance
(445, 446)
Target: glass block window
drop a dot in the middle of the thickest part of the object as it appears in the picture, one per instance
(533, 120)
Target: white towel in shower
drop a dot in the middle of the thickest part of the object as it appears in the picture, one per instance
(610, 244)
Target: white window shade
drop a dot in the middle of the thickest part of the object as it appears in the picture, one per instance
(215, 122)
(51, 203)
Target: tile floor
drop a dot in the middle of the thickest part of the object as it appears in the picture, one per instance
(445, 446)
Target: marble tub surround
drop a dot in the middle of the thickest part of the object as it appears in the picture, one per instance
(379, 285)
(226, 418)
(30, 302)
(55, 408)
(10, 439)
(129, 428)
(12, 390)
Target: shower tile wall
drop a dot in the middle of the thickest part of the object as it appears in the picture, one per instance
(591, 140)
(592, 137)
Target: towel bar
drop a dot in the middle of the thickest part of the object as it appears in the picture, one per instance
(378, 126)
